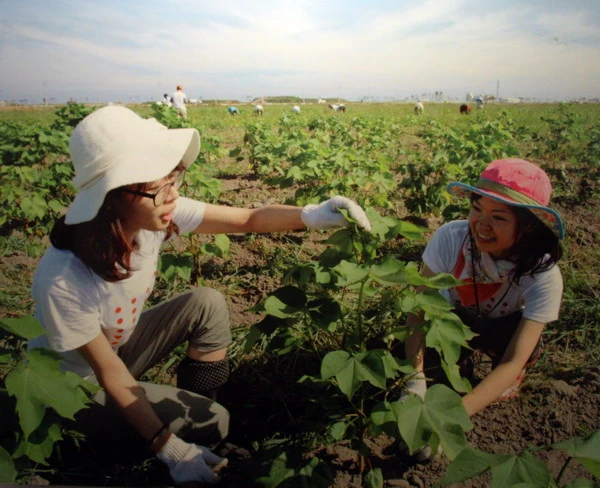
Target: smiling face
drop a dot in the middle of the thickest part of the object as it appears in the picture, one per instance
(493, 226)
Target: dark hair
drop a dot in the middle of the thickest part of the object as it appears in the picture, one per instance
(536, 247)
(100, 243)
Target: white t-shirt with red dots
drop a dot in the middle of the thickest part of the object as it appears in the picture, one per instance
(74, 304)
(538, 297)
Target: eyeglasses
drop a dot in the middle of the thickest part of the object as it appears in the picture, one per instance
(162, 193)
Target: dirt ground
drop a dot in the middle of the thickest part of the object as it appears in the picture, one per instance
(548, 410)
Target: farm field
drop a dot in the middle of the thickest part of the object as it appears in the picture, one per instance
(288, 419)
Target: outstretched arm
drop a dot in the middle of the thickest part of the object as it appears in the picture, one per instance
(219, 219)
(515, 358)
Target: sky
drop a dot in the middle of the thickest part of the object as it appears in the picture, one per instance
(136, 50)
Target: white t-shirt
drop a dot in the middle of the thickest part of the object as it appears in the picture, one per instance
(74, 304)
(538, 297)
(179, 99)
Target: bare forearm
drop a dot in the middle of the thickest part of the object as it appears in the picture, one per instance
(122, 388)
(276, 218)
(492, 386)
(131, 400)
(219, 219)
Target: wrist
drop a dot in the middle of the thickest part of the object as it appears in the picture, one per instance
(417, 384)
(159, 441)
(173, 450)
(307, 210)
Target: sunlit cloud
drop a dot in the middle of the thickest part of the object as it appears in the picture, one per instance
(141, 49)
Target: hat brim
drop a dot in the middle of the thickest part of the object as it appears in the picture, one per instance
(548, 216)
(155, 160)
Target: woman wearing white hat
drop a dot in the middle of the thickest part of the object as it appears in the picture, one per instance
(91, 285)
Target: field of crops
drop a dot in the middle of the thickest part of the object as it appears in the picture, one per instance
(318, 316)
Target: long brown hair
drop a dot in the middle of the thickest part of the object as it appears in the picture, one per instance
(101, 243)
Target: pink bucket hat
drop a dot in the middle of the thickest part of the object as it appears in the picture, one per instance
(114, 147)
(518, 183)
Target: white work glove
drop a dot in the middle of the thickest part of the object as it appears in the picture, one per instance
(189, 462)
(326, 215)
(417, 384)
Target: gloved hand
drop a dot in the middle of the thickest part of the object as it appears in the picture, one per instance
(417, 384)
(189, 462)
(326, 215)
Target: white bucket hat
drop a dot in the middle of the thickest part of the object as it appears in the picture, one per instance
(114, 147)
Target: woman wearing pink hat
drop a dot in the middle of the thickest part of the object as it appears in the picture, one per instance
(506, 255)
(91, 286)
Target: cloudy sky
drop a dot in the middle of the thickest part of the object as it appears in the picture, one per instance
(136, 50)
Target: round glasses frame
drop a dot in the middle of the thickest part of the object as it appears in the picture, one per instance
(159, 197)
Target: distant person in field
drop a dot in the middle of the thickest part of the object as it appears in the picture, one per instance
(166, 100)
(506, 254)
(91, 286)
(178, 98)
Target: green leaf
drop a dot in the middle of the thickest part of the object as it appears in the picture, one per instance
(373, 479)
(350, 273)
(8, 473)
(524, 468)
(439, 418)
(325, 312)
(578, 447)
(338, 430)
(585, 450)
(470, 463)
(290, 470)
(285, 302)
(27, 327)
(580, 483)
(40, 444)
(34, 206)
(409, 230)
(350, 370)
(459, 383)
(390, 271)
(219, 248)
(181, 265)
(447, 335)
(39, 383)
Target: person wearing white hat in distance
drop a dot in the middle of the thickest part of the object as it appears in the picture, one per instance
(178, 99)
(91, 285)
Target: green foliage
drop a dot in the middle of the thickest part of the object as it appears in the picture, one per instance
(69, 115)
(287, 468)
(351, 296)
(556, 141)
(321, 157)
(437, 420)
(36, 177)
(456, 155)
(43, 396)
(524, 469)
